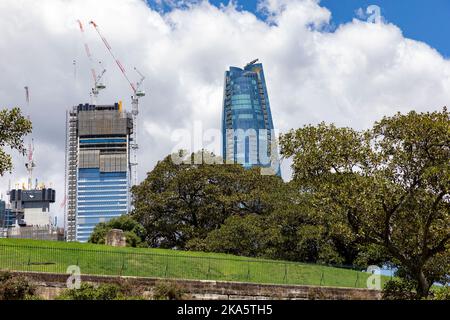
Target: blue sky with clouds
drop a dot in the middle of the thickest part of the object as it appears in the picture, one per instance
(351, 76)
(423, 20)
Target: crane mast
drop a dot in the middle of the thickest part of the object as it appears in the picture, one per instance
(136, 94)
(98, 84)
(30, 164)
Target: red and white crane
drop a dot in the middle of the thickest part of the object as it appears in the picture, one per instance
(137, 93)
(98, 84)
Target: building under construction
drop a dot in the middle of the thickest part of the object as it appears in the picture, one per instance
(28, 215)
(98, 167)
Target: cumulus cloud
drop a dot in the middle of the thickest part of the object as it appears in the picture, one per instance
(351, 76)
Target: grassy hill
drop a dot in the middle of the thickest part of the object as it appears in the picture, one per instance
(51, 256)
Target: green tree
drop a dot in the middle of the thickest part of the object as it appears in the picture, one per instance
(134, 232)
(238, 235)
(293, 230)
(299, 230)
(178, 202)
(388, 186)
(13, 127)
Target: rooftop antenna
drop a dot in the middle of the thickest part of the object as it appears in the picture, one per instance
(97, 78)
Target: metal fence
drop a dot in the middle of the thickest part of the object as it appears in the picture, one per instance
(175, 264)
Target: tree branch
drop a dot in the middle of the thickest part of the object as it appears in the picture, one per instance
(430, 220)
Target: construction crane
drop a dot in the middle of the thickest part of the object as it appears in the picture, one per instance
(136, 94)
(98, 84)
(30, 165)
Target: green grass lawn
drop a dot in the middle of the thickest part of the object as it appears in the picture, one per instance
(52, 256)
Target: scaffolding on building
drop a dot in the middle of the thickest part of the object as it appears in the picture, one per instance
(71, 174)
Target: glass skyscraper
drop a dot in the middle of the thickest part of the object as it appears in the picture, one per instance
(98, 167)
(247, 127)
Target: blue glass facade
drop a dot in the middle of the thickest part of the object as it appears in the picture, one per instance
(247, 127)
(7, 217)
(101, 197)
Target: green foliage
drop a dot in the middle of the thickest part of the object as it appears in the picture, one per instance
(240, 235)
(165, 290)
(134, 232)
(298, 230)
(104, 291)
(88, 291)
(225, 208)
(294, 230)
(15, 287)
(387, 187)
(178, 202)
(399, 289)
(13, 127)
(441, 293)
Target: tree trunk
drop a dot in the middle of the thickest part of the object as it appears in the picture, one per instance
(423, 287)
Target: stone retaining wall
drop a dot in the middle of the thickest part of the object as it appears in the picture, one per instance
(51, 284)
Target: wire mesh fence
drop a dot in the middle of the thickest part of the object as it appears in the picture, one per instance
(179, 265)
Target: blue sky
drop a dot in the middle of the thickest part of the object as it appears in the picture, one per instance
(423, 20)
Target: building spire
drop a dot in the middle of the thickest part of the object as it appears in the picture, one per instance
(251, 62)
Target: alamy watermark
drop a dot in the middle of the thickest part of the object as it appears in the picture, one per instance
(249, 146)
(374, 280)
(74, 280)
(372, 14)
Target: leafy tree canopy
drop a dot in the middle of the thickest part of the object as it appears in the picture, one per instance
(387, 186)
(13, 127)
(185, 200)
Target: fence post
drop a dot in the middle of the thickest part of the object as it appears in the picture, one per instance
(123, 264)
(321, 278)
(248, 270)
(209, 267)
(285, 273)
(167, 266)
(357, 279)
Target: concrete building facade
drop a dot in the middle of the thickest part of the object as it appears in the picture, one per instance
(32, 207)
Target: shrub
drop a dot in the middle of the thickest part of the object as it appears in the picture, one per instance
(441, 293)
(399, 289)
(168, 291)
(87, 291)
(15, 287)
(128, 290)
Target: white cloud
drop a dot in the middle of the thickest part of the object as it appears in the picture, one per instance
(352, 76)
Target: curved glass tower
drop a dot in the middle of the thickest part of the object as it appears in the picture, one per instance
(247, 127)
